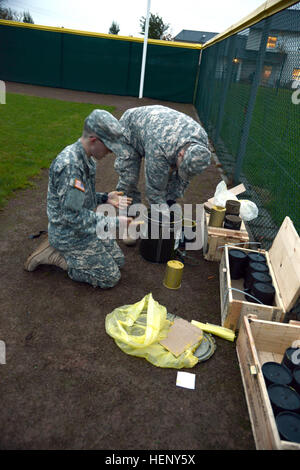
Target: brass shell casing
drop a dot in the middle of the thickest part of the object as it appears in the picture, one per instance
(173, 274)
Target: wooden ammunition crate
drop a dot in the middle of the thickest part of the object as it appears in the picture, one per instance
(215, 238)
(283, 260)
(261, 341)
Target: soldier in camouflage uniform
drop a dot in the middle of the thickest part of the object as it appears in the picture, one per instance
(175, 148)
(72, 201)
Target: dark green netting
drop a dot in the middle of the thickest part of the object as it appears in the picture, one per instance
(96, 64)
(245, 101)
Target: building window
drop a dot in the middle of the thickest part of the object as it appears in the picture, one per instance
(296, 74)
(272, 40)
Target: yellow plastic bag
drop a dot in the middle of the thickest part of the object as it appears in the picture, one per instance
(137, 330)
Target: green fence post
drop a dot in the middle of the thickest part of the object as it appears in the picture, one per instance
(230, 57)
(213, 78)
(251, 103)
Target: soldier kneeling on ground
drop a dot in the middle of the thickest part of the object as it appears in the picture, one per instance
(73, 243)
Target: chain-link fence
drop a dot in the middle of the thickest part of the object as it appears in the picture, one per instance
(248, 98)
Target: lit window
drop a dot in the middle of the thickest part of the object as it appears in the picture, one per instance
(296, 74)
(272, 40)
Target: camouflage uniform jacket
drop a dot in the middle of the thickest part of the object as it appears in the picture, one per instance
(158, 133)
(72, 200)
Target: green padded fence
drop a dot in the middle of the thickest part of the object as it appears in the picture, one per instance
(248, 98)
(98, 64)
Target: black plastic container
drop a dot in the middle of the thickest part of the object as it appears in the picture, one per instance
(232, 222)
(255, 276)
(288, 425)
(256, 258)
(296, 379)
(287, 360)
(275, 373)
(237, 263)
(232, 207)
(258, 267)
(265, 293)
(188, 234)
(283, 398)
(160, 249)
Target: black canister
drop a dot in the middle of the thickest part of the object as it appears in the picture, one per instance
(232, 222)
(188, 235)
(287, 358)
(233, 207)
(296, 379)
(275, 373)
(237, 263)
(283, 398)
(255, 276)
(256, 258)
(253, 267)
(257, 267)
(265, 293)
(160, 237)
(288, 425)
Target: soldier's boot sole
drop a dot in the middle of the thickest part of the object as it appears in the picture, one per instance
(44, 254)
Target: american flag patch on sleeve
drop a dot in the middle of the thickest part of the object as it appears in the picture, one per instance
(79, 185)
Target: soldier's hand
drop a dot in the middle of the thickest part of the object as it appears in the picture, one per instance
(118, 200)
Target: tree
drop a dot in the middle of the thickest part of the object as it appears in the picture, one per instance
(27, 18)
(114, 29)
(12, 15)
(157, 27)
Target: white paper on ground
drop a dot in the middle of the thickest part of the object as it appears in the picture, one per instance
(186, 380)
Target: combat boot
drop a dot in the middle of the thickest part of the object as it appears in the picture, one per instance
(45, 254)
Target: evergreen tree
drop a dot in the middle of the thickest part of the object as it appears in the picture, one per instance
(27, 18)
(157, 27)
(114, 29)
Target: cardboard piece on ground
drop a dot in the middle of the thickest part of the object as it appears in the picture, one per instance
(186, 380)
(182, 335)
(240, 188)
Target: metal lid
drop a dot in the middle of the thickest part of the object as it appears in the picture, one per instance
(276, 373)
(206, 349)
(288, 424)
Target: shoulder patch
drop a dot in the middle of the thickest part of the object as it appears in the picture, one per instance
(79, 185)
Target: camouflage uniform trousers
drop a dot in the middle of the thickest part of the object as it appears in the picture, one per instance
(97, 263)
(128, 167)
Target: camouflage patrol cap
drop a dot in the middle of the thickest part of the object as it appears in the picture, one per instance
(196, 159)
(105, 126)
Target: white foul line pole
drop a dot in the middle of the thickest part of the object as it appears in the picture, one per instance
(144, 50)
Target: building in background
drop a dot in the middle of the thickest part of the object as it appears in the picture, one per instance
(199, 37)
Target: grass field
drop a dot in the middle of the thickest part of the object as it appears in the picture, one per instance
(33, 132)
